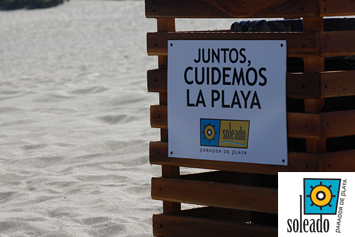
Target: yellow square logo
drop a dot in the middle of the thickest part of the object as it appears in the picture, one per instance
(234, 133)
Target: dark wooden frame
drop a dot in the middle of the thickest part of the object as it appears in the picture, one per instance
(229, 206)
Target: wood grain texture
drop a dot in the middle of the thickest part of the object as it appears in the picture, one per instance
(216, 213)
(314, 65)
(337, 7)
(303, 85)
(339, 124)
(304, 125)
(186, 226)
(229, 9)
(337, 83)
(337, 43)
(157, 80)
(170, 171)
(342, 161)
(215, 194)
(298, 44)
(297, 162)
(159, 116)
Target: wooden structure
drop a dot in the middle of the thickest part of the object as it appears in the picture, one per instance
(240, 199)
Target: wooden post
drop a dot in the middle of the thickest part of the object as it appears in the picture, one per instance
(168, 171)
(314, 64)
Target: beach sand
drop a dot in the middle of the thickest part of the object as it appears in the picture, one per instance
(74, 119)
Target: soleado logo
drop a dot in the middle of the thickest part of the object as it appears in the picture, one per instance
(321, 196)
(316, 203)
(224, 133)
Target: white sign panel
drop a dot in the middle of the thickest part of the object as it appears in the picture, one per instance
(227, 100)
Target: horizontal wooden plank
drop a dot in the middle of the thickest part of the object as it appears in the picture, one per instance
(230, 9)
(341, 161)
(337, 83)
(297, 162)
(216, 213)
(298, 85)
(337, 7)
(337, 43)
(159, 116)
(157, 80)
(299, 125)
(303, 85)
(300, 44)
(170, 225)
(215, 194)
(304, 125)
(220, 176)
(339, 124)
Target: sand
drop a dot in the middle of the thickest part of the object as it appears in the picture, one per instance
(74, 119)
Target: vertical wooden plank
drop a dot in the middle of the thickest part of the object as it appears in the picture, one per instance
(168, 171)
(314, 64)
(164, 25)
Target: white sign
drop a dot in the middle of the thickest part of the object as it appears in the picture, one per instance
(227, 100)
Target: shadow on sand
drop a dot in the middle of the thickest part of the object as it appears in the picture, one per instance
(28, 4)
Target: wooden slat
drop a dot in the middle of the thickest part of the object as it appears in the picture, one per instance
(157, 80)
(339, 124)
(298, 44)
(337, 7)
(215, 194)
(298, 85)
(303, 85)
(314, 65)
(158, 116)
(216, 213)
(338, 83)
(342, 161)
(184, 226)
(229, 9)
(297, 162)
(167, 25)
(299, 125)
(219, 176)
(337, 43)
